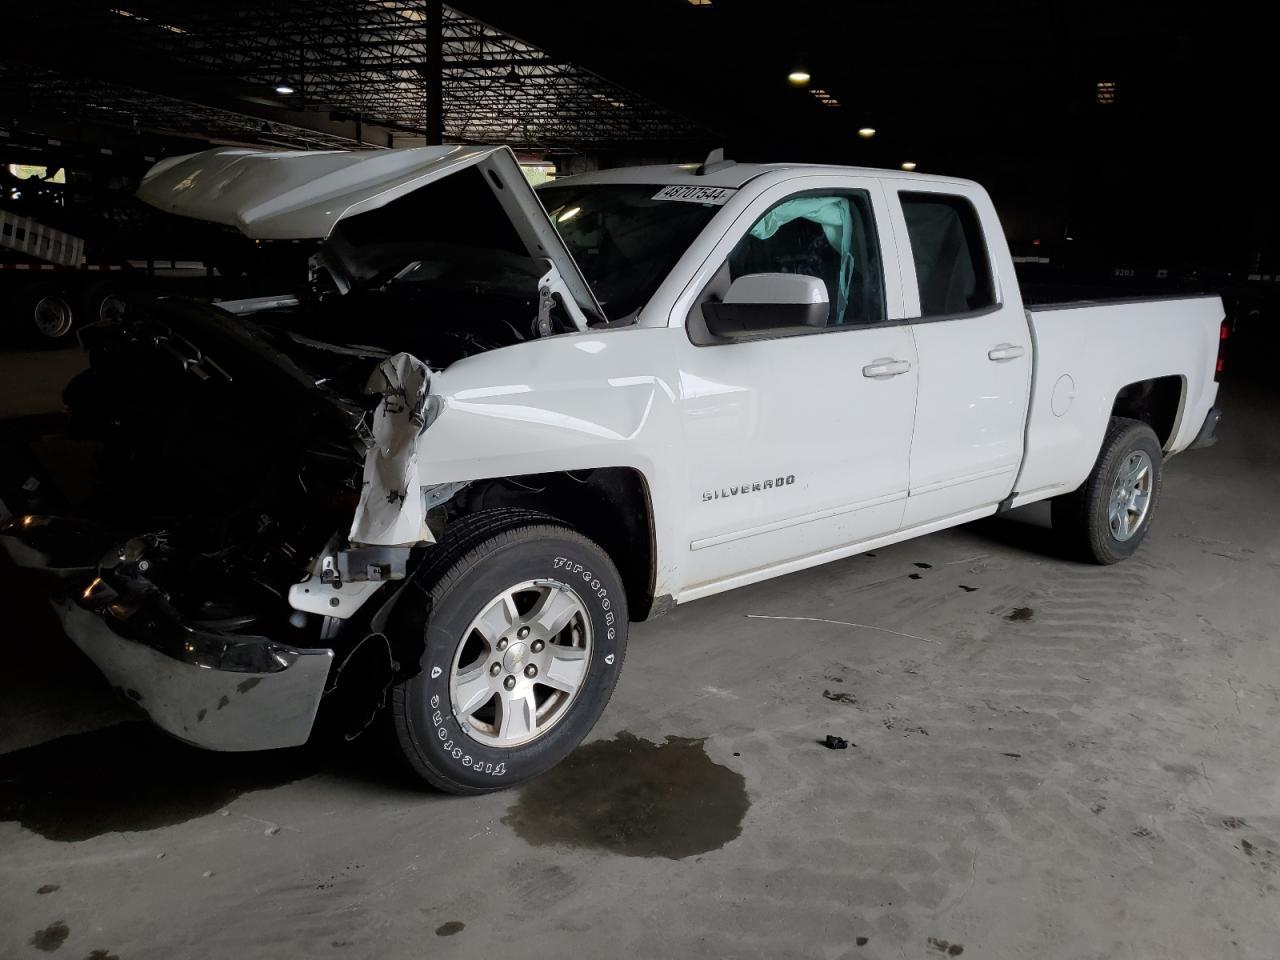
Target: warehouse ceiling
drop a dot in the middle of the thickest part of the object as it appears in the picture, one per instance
(942, 82)
(945, 85)
(1083, 119)
(311, 74)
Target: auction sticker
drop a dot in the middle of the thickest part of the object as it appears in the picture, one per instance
(688, 193)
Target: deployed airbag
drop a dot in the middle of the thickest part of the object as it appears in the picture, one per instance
(832, 214)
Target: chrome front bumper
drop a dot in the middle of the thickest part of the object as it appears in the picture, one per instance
(220, 691)
(211, 708)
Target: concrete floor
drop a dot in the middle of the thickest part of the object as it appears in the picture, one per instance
(1059, 761)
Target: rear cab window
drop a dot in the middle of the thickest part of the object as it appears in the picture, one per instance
(953, 271)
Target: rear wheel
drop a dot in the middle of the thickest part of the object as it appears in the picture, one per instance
(1108, 517)
(526, 636)
(42, 316)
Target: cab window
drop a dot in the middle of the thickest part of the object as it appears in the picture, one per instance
(831, 236)
(950, 254)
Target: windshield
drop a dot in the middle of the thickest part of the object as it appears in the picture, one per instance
(624, 241)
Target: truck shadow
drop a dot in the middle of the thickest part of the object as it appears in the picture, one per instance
(1026, 529)
(131, 776)
(123, 774)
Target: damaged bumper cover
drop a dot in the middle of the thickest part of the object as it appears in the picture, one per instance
(214, 688)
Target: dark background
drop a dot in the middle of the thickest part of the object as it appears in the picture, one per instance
(1168, 182)
(1005, 93)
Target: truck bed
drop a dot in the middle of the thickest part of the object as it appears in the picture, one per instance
(1087, 353)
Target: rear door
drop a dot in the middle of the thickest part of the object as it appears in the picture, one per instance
(974, 348)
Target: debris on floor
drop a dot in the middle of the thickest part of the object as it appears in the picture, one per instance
(835, 743)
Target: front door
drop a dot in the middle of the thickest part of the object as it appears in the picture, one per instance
(798, 445)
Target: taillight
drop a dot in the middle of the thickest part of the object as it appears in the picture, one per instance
(1224, 331)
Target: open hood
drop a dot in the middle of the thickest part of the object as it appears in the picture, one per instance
(301, 195)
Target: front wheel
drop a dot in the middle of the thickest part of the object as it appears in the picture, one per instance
(1108, 517)
(524, 643)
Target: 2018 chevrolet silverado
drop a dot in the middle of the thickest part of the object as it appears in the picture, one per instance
(436, 485)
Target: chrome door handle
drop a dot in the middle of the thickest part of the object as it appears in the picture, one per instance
(885, 367)
(1005, 351)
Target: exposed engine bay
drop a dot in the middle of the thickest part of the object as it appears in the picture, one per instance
(247, 470)
(231, 449)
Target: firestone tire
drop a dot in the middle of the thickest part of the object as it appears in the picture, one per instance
(484, 556)
(1086, 520)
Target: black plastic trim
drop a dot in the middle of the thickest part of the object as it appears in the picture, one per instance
(734, 320)
(1112, 301)
(1208, 434)
(966, 315)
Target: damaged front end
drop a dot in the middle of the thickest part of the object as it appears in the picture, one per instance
(244, 502)
(245, 515)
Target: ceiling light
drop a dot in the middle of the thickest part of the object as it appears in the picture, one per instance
(399, 8)
(866, 133)
(122, 12)
(699, 3)
(568, 214)
(284, 89)
(908, 165)
(798, 77)
(512, 79)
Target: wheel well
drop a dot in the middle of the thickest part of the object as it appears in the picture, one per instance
(610, 505)
(1156, 402)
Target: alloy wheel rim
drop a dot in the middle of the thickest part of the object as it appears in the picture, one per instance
(1130, 496)
(521, 664)
(52, 317)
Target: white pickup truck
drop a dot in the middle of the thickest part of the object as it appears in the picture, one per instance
(500, 425)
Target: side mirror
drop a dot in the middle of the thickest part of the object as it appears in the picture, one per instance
(765, 302)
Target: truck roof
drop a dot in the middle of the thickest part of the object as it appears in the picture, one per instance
(737, 174)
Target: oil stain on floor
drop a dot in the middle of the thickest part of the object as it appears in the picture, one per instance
(51, 937)
(634, 798)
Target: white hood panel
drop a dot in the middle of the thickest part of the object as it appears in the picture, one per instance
(301, 195)
(295, 195)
